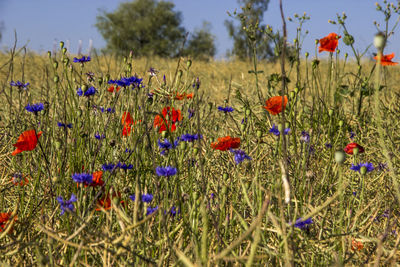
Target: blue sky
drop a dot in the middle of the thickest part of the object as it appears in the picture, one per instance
(43, 23)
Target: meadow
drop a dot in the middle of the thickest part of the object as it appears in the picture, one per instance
(122, 161)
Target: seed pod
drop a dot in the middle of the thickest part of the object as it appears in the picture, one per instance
(340, 123)
(363, 170)
(61, 45)
(248, 112)
(189, 63)
(56, 79)
(340, 157)
(259, 133)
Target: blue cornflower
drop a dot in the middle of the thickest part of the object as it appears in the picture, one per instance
(328, 145)
(125, 82)
(274, 130)
(225, 109)
(173, 211)
(368, 166)
(83, 59)
(166, 145)
(166, 171)
(128, 150)
(110, 110)
(303, 224)
(191, 113)
(108, 167)
(124, 166)
(190, 137)
(147, 198)
(98, 136)
(66, 205)
(83, 178)
(150, 210)
(20, 85)
(35, 108)
(60, 124)
(90, 91)
(240, 155)
(305, 137)
(352, 134)
(132, 197)
(244, 120)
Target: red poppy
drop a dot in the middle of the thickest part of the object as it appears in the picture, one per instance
(27, 141)
(97, 179)
(386, 60)
(19, 179)
(4, 220)
(349, 148)
(105, 201)
(329, 43)
(356, 245)
(274, 104)
(127, 122)
(170, 116)
(225, 143)
(183, 96)
(112, 89)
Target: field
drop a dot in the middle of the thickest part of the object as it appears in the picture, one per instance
(125, 161)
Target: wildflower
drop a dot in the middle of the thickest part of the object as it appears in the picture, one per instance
(85, 178)
(66, 205)
(183, 96)
(90, 76)
(329, 43)
(328, 145)
(151, 210)
(19, 179)
(225, 143)
(349, 148)
(166, 145)
(89, 92)
(356, 245)
(240, 155)
(166, 171)
(386, 60)
(190, 137)
(124, 166)
(83, 59)
(173, 211)
(35, 108)
(65, 125)
(382, 167)
(98, 136)
(305, 137)
(132, 197)
(4, 220)
(169, 118)
(303, 224)
(104, 202)
(225, 109)
(127, 81)
(369, 167)
(147, 198)
(274, 104)
(108, 167)
(27, 141)
(191, 113)
(274, 130)
(352, 134)
(97, 179)
(152, 71)
(112, 89)
(20, 85)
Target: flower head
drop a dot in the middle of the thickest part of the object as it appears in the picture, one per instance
(305, 137)
(19, 179)
(108, 167)
(349, 148)
(112, 89)
(20, 85)
(127, 81)
(166, 171)
(89, 92)
(225, 109)
(27, 141)
(170, 117)
(66, 205)
(190, 137)
(329, 43)
(97, 179)
(151, 210)
(274, 104)
(85, 178)
(225, 143)
(65, 125)
(4, 220)
(105, 201)
(240, 155)
(369, 167)
(35, 108)
(274, 130)
(386, 60)
(83, 59)
(147, 198)
(303, 224)
(124, 166)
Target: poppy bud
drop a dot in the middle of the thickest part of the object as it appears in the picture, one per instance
(340, 157)
(330, 112)
(316, 41)
(287, 125)
(210, 106)
(248, 112)
(180, 73)
(259, 133)
(79, 113)
(295, 41)
(307, 54)
(56, 79)
(355, 151)
(189, 63)
(55, 64)
(182, 145)
(66, 61)
(195, 150)
(340, 123)
(64, 51)
(125, 59)
(225, 176)
(348, 39)
(338, 51)
(57, 144)
(291, 95)
(61, 45)
(49, 54)
(224, 190)
(296, 90)
(346, 55)
(363, 170)
(242, 127)
(100, 81)
(164, 134)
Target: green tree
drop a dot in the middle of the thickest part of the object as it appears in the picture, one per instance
(147, 27)
(249, 32)
(201, 44)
